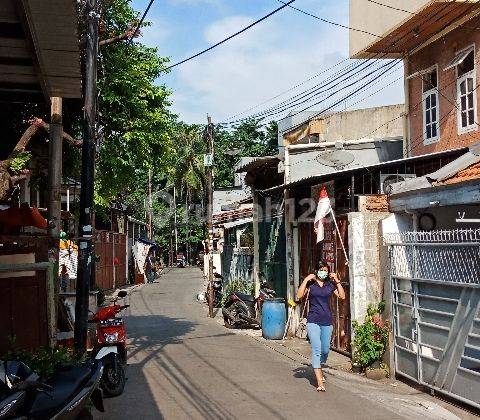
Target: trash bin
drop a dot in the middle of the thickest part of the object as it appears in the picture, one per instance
(273, 318)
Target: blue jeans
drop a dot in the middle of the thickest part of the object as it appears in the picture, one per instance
(319, 336)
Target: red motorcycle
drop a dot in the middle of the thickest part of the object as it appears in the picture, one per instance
(110, 346)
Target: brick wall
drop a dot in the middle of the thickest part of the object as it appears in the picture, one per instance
(441, 53)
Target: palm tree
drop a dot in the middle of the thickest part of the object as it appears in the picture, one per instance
(188, 173)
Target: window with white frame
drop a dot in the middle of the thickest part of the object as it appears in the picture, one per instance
(466, 96)
(431, 129)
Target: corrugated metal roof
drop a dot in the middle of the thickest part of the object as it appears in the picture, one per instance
(257, 163)
(464, 168)
(314, 179)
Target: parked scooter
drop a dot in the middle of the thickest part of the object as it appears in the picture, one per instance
(63, 396)
(111, 346)
(217, 285)
(242, 310)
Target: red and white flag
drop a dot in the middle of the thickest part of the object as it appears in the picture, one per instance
(323, 208)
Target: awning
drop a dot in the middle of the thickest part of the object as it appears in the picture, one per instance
(39, 50)
(471, 157)
(458, 59)
(312, 127)
(316, 179)
(258, 162)
(419, 73)
(240, 222)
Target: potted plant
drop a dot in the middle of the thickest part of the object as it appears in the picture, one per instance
(370, 343)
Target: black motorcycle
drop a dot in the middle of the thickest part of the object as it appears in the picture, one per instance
(63, 396)
(217, 286)
(242, 310)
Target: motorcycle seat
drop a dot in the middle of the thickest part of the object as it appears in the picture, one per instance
(245, 297)
(66, 383)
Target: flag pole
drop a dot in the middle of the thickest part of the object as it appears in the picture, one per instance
(339, 236)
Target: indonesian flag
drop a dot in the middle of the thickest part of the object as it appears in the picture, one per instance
(323, 208)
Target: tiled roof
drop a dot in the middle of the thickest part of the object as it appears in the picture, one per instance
(468, 174)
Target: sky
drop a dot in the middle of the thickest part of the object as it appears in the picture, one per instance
(268, 59)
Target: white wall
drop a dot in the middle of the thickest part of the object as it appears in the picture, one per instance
(364, 244)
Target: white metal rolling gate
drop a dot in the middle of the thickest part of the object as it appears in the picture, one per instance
(436, 292)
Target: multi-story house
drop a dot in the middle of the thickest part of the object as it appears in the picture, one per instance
(439, 43)
(433, 233)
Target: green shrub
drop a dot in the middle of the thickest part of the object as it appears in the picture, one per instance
(44, 360)
(19, 162)
(238, 285)
(371, 337)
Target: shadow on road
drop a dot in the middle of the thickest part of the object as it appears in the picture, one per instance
(148, 335)
(305, 372)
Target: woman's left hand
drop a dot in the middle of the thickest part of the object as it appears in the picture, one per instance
(334, 278)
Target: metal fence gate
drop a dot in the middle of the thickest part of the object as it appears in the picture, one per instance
(436, 311)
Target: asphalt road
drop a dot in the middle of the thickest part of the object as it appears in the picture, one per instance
(183, 365)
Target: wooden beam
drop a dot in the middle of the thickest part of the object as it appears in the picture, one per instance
(31, 43)
(7, 12)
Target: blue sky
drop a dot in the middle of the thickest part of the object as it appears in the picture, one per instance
(273, 56)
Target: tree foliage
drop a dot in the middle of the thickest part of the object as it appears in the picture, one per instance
(135, 122)
(248, 139)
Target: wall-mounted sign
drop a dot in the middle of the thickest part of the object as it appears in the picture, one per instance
(208, 159)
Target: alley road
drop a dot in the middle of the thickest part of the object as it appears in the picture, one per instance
(183, 365)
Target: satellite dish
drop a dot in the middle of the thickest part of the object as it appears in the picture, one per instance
(335, 158)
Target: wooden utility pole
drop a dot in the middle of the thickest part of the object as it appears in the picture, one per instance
(54, 203)
(209, 161)
(175, 219)
(150, 232)
(85, 249)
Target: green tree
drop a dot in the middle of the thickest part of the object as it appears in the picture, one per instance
(135, 122)
(251, 138)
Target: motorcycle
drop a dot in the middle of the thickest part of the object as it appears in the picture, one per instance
(65, 395)
(242, 310)
(217, 285)
(111, 346)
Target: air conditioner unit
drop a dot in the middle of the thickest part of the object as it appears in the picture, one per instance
(387, 179)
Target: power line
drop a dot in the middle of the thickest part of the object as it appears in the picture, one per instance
(309, 91)
(329, 21)
(269, 111)
(229, 37)
(141, 21)
(288, 90)
(321, 112)
(297, 103)
(390, 7)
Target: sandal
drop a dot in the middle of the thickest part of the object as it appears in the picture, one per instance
(321, 388)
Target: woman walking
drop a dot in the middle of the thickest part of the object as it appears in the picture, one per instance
(319, 287)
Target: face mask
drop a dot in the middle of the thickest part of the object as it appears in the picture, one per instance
(322, 274)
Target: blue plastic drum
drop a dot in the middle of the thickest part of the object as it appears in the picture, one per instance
(273, 318)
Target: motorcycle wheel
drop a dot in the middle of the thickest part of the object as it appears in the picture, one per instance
(113, 378)
(227, 320)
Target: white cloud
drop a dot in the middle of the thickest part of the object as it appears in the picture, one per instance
(258, 64)
(157, 32)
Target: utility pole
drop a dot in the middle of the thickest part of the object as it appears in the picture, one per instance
(85, 249)
(175, 219)
(54, 204)
(209, 161)
(150, 233)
